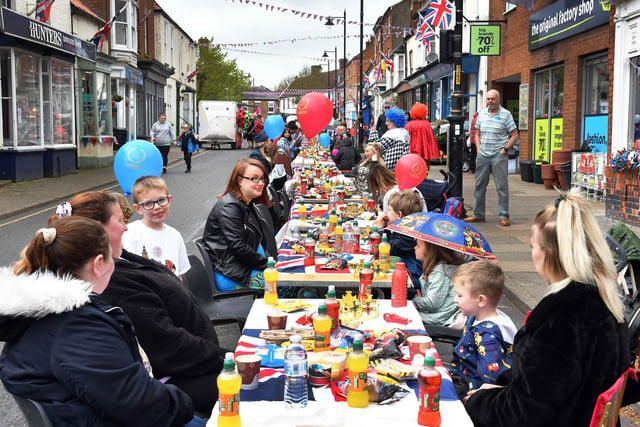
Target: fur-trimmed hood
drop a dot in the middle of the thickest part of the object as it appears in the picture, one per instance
(24, 298)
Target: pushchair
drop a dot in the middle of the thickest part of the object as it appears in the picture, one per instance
(435, 191)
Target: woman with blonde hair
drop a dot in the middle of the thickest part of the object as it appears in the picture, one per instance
(575, 344)
(372, 155)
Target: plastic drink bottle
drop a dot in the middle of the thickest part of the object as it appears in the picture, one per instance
(323, 238)
(229, 382)
(333, 221)
(375, 238)
(385, 253)
(296, 374)
(366, 277)
(356, 237)
(429, 380)
(399, 286)
(271, 283)
(309, 250)
(357, 365)
(322, 329)
(339, 235)
(333, 307)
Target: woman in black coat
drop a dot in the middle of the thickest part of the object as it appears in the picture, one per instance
(574, 344)
(233, 234)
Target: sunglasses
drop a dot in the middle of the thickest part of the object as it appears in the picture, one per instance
(150, 204)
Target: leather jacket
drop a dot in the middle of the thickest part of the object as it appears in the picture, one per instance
(231, 236)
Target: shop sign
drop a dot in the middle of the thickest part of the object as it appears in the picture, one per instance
(485, 40)
(596, 130)
(541, 140)
(133, 76)
(27, 29)
(564, 19)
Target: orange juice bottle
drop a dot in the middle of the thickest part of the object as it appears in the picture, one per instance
(271, 283)
(229, 382)
(385, 253)
(322, 329)
(357, 365)
(333, 307)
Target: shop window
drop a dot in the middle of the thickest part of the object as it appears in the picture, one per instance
(124, 30)
(634, 130)
(6, 97)
(27, 99)
(89, 113)
(548, 104)
(596, 104)
(102, 98)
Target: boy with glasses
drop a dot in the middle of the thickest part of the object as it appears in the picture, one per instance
(150, 236)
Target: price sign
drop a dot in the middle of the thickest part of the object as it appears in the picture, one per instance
(485, 40)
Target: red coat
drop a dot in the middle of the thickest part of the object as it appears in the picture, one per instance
(423, 141)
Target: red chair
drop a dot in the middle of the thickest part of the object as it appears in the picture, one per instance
(605, 413)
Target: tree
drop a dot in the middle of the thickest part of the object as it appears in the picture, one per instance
(219, 78)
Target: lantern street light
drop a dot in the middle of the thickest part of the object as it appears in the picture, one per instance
(335, 73)
(344, 65)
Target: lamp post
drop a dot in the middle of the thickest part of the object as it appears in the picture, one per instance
(344, 65)
(335, 73)
(456, 119)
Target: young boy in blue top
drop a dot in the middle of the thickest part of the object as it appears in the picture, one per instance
(485, 349)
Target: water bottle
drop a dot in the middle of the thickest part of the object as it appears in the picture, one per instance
(296, 373)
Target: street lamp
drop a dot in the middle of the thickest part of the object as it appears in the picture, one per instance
(344, 65)
(335, 72)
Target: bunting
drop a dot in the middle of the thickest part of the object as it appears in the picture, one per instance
(193, 74)
(99, 37)
(440, 14)
(43, 9)
(388, 62)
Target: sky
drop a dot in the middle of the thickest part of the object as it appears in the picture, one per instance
(282, 43)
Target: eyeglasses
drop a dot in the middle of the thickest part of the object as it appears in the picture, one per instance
(150, 204)
(255, 179)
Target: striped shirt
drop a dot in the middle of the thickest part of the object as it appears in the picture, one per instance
(495, 130)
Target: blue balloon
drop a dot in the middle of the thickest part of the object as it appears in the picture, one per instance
(274, 126)
(324, 139)
(135, 159)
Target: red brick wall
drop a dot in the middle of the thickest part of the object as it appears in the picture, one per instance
(516, 59)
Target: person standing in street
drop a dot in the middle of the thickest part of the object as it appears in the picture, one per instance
(163, 135)
(496, 133)
(381, 123)
(188, 144)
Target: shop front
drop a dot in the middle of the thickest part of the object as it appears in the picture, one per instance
(128, 84)
(37, 98)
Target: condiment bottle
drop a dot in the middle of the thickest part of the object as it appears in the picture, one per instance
(309, 250)
(322, 329)
(229, 382)
(357, 365)
(429, 380)
(333, 307)
(399, 286)
(366, 278)
(271, 283)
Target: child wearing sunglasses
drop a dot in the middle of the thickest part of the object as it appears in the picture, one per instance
(150, 236)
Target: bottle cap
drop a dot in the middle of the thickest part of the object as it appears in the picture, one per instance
(310, 234)
(367, 265)
(229, 362)
(385, 238)
(322, 309)
(429, 358)
(271, 262)
(399, 265)
(331, 292)
(357, 342)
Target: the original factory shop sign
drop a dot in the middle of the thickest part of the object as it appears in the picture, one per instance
(565, 18)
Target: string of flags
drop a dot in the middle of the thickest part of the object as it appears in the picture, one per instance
(103, 33)
(193, 74)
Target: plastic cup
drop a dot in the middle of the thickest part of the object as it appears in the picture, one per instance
(277, 320)
(249, 370)
(418, 344)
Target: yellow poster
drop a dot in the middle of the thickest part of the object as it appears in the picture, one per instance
(541, 140)
(556, 133)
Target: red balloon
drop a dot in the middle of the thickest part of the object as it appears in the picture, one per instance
(410, 171)
(314, 112)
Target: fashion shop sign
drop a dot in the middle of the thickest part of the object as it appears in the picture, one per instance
(564, 19)
(24, 28)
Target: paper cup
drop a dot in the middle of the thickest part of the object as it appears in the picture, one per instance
(249, 370)
(277, 320)
(418, 344)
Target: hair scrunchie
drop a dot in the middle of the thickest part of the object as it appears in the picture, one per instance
(63, 209)
(48, 234)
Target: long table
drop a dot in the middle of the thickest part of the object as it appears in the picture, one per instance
(324, 411)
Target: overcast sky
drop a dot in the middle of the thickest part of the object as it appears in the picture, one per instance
(230, 22)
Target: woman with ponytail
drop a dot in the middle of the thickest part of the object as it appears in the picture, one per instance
(574, 344)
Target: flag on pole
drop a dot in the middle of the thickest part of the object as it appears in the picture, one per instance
(377, 75)
(388, 62)
(424, 32)
(527, 4)
(193, 74)
(43, 8)
(366, 84)
(99, 37)
(440, 14)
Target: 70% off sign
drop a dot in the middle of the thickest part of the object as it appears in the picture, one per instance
(485, 40)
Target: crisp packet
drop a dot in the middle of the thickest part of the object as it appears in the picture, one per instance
(384, 390)
(394, 369)
(388, 345)
(342, 337)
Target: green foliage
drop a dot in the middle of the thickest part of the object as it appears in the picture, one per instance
(219, 78)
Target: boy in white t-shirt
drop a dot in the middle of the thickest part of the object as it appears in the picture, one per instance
(485, 349)
(150, 236)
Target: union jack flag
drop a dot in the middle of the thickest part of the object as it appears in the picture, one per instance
(424, 32)
(99, 37)
(388, 62)
(43, 9)
(193, 74)
(366, 84)
(377, 75)
(440, 14)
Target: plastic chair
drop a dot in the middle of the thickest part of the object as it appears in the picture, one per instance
(33, 412)
(229, 331)
(607, 409)
(223, 304)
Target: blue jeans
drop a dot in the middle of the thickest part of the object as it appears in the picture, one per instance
(499, 166)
